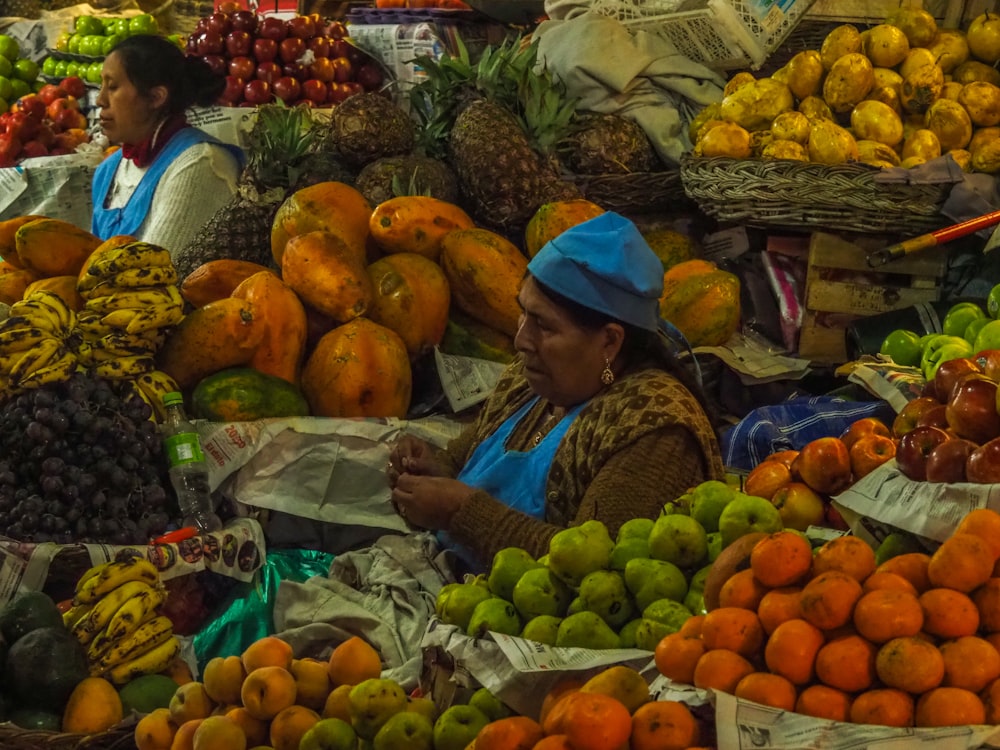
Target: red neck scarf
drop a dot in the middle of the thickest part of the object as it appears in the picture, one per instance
(142, 154)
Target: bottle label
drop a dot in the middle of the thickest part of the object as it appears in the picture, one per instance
(184, 448)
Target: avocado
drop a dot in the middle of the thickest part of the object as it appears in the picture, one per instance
(147, 693)
(33, 718)
(28, 611)
(43, 667)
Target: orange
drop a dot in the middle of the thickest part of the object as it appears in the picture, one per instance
(963, 562)
(885, 614)
(781, 558)
(734, 628)
(596, 722)
(557, 692)
(984, 523)
(949, 613)
(884, 706)
(769, 689)
(510, 733)
(828, 600)
(677, 656)
(912, 566)
(991, 700)
(949, 707)
(877, 581)
(778, 606)
(269, 651)
(846, 663)
(791, 650)
(721, 669)
(911, 664)
(824, 702)
(554, 742)
(969, 662)
(692, 626)
(846, 554)
(353, 661)
(742, 589)
(663, 725)
(987, 601)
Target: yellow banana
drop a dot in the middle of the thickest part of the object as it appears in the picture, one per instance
(123, 368)
(152, 633)
(13, 323)
(39, 316)
(123, 344)
(36, 358)
(147, 276)
(21, 339)
(54, 372)
(134, 612)
(133, 255)
(88, 626)
(153, 318)
(105, 578)
(152, 661)
(134, 299)
(119, 319)
(72, 615)
(51, 300)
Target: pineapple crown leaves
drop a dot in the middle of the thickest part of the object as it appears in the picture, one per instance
(412, 187)
(280, 140)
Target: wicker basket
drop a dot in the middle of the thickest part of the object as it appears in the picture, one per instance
(120, 737)
(634, 193)
(805, 196)
(187, 13)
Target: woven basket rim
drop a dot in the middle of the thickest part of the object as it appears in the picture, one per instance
(637, 192)
(119, 737)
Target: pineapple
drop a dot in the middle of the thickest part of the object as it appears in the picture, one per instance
(607, 144)
(412, 174)
(368, 126)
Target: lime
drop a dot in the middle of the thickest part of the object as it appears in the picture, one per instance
(73, 44)
(903, 347)
(9, 48)
(88, 25)
(6, 67)
(49, 65)
(993, 302)
(6, 89)
(958, 317)
(22, 88)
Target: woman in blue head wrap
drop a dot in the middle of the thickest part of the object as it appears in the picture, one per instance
(594, 419)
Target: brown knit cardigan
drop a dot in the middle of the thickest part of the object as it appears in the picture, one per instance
(638, 443)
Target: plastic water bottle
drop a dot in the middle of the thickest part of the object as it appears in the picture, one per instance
(188, 470)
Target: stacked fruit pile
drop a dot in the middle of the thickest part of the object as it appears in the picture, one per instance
(47, 123)
(898, 94)
(18, 75)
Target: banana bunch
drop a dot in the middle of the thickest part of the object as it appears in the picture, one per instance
(130, 296)
(36, 346)
(114, 615)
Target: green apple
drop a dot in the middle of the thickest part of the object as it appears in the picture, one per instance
(649, 580)
(457, 726)
(541, 592)
(896, 543)
(542, 629)
(144, 23)
(509, 564)
(604, 592)
(988, 337)
(707, 501)
(626, 636)
(635, 528)
(579, 550)
(942, 348)
(49, 65)
(903, 347)
(407, 730)
(628, 549)
(489, 704)
(746, 514)
(9, 48)
(372, 703)
(456, 603)
(958, 317)
(88, 25)
(680, 540)
(585, 630)
(423, 705)
(494, 615)
(972, 330)
(993, 302)
(329, 734)
(73, 44)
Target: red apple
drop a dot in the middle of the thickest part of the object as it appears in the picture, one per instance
(242, 67)
(340, 48)
(264, 49)
(914, 447)
(244, 20)
(295, 70)
(370, 76)
(268, 72)
(10, 147)
(989, 362)
(861, 427)
(20, 127)
(233, 93)
(49, 92)
(337, 93)
(353, 87)
(46, 135)
(936, 416)
(32, 149)
(824, 464)
(950, 372)
(321, 69)
(238, 43)
(210, 43)
(291, 49)
(32, 105)
(287, 89)
(972, 409)
(67, 102)
(302, 27)
(257, 92)
(834, 519)
(315, 91)
(271, 27)
(74, 86)
(983, 464)
(67, 119)
(220, 22)
(907, 418)
(946, 462)
(320, 46)
(343, 71)
(217, 64)
(336, 30)
(799, 506)
(869, 452)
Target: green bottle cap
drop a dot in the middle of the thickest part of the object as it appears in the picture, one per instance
(169, 399)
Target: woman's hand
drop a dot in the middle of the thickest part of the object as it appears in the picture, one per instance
(411, 455)
(429, 502)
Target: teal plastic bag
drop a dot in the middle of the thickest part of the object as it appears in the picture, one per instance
(247, 612)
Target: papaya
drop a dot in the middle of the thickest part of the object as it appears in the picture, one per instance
(243, 394)
(8, 228)
(412, 298)
(52, 247)
(702, 300)
(13, 284)
(217, 279)
(221, 334)
(63, 287)
(327, 274)
(554, 218)
(359, 369)
(670, 246)
(484, 272)
(467, 337)
(415, 224)
(283, 344)
(94, 706)
(328, 206)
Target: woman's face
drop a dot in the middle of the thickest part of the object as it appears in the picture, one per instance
(562, 361)
(126, 115)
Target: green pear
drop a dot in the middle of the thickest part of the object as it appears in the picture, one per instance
(489, 704)
(694, 600)
(372, 703)
(509, 564)
(542, 629)
(604, 592)
(575, 606)
(329, 734)
(635, 528)
(679, 506)
(579, 550)
(460, 602)
(649, 580)
(680, 540)
(896, 543)
(443, 595)
(708, 500)
(746, 514)
(626, 636)
(649, 633)
(457, 726)
(496, 615)
(586, 630)
(540, 592)
(407, 730)
(627, 549)
(667, 612)
(714, 545)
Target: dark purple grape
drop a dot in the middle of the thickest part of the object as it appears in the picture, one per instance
(53, 466)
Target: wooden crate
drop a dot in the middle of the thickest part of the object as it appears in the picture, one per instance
(841, 287)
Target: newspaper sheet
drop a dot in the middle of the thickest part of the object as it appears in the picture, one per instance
(754, 362)
(466, 381)
(53, 186)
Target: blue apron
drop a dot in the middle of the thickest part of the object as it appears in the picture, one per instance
(107, 222)
(516, 478)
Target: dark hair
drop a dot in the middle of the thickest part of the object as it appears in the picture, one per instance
(150, 61)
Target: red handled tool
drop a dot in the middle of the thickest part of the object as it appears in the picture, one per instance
(931, 239)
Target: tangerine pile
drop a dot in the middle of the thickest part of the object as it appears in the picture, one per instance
(911, 642)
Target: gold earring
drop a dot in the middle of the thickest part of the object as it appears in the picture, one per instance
(607, 376)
